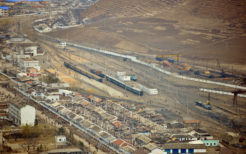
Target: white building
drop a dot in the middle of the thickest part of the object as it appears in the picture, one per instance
(124, 78)
(22, 114)
(27, 63)
(52, 97)
(61, 139)
(21, 56)
(59, 85)
(63, 44)
(157, 151)
(32, 50)
(4, 11)
(65, 92)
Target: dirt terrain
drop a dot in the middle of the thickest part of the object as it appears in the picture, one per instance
(200, 30)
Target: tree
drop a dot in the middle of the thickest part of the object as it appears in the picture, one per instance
(61, 131)
(26, 131)
(81, 145)
(36, 122)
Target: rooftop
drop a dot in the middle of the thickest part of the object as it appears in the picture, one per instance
(20, 104)
(150, 146)
(4, 7)
(28, 59)
(68, 150)
(183, 145)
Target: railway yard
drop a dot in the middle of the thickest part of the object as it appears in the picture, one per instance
(118, 101)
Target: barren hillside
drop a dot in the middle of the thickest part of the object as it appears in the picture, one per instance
(196, 28)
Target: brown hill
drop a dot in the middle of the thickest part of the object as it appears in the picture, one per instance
(196, 28)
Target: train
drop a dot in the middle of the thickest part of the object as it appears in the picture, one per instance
(121, 84)
(204, 105)
(83, 72)
(98, 73)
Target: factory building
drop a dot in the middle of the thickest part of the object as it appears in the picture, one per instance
(22, 114)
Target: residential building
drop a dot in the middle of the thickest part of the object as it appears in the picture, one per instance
(4, 11)
(176, 148)
(22, 114)
(142, 140)
(211, 143)
(32, 50)
(120, 143)
(192, 123)
(149, 147)
(65, 92)
(157, 151)
(52, 97)
(3, 108)
(65, 151)
(61, 141)
(27, 63)
(21, 56)
(183, 137)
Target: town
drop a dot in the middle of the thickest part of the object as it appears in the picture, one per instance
(61, 96)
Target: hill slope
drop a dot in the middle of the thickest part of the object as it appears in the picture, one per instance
(196, 28)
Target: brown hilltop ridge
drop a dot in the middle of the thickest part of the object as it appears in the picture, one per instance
(221, 9)
(199, 29)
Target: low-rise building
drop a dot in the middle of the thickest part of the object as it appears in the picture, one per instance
(142, 140)
(65, 92)
(183, 137)
(27, 63)
(32, 50)
(211, 143)
(61, 140)
(192, 123)
(157, 151)
(65, 151)
(3, 109)
(22, 114)
(176, 148)
(52, 97)
(4, 11)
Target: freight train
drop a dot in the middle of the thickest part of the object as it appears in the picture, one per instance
(203, 105)
(83, 72)
(125, 86)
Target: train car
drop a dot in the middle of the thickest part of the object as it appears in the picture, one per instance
(98, 73)
(125, 86)
(203, 105)
(83, 72)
